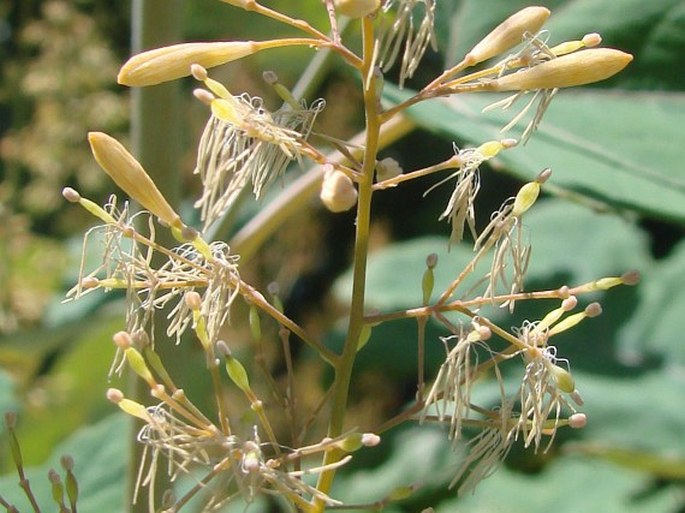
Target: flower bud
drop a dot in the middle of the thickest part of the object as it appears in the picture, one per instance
(579, 68)
(356, 8)
(172, 62)
(525, 198)
(130, 176)
(508, 34)
(338, 192)
(387, 168)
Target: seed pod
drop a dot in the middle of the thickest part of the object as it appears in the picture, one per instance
(508, 34)
(172, 62)
(130, 176)
(578, 68)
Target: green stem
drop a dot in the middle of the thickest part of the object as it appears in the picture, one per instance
(341, 386)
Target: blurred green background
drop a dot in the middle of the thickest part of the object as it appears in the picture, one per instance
(616, 201)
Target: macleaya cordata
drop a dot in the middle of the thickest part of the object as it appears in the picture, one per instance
(240, 449)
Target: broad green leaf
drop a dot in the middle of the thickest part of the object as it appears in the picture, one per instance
(655, 330)
(568, 485)
(99, 453)
(613, 148)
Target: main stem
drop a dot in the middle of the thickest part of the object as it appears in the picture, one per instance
(345, 365)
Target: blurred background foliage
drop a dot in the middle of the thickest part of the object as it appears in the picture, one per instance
(616, 202)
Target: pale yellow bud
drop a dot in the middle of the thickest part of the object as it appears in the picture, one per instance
(525, 198)
(172, 62)
(130, 176)
(579, 68)
(338, 192)
(356, 8)
(508, 34)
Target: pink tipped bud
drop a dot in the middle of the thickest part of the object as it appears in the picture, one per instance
(193, 300)
(564, 291)
(370, 440)
(630, 278)
(204, 96)
(71, 195)
(593, 310)
(591, 40)
(577, 420)
(575, 69)
(122, 340)
(544, 175)
(198, 72)
(115, 395)
(508, 34)
(569, 303)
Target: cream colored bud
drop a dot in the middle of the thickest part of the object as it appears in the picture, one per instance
(508, 34)
(387, 168)
(577, 420)
(579, 68)
(130, 176)
(71, 195)
(338, 192)
(356, 8)
(172, 62)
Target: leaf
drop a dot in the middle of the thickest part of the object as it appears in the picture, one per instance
(99, 453)
(657, 325)
(613, 148)
(568, 485)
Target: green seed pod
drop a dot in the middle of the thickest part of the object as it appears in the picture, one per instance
(564, 379)
(237, 373)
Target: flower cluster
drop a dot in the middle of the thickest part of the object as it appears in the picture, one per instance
(246, 146)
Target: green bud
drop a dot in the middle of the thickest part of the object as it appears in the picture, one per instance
(255, 323)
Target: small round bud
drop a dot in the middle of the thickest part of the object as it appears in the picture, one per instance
(71, 195)
(544, 175)
(67, 462)
(370, 439)
(338, 192)
(53, 477)
(432, 260)
(569, 303)
(198, 72)
(114, 395)
(193, 300)
(356, 8)
(593, 310)
(577, 420)
(564, 292)
(222, 348)
(630, 278)
(204, 96)
(122, 340)
(508, 143)
(592, 39)
(484, 332)
(270, 77)
(90, 282)
(387, 168)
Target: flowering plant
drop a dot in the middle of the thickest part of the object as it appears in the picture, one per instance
(247, 147)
